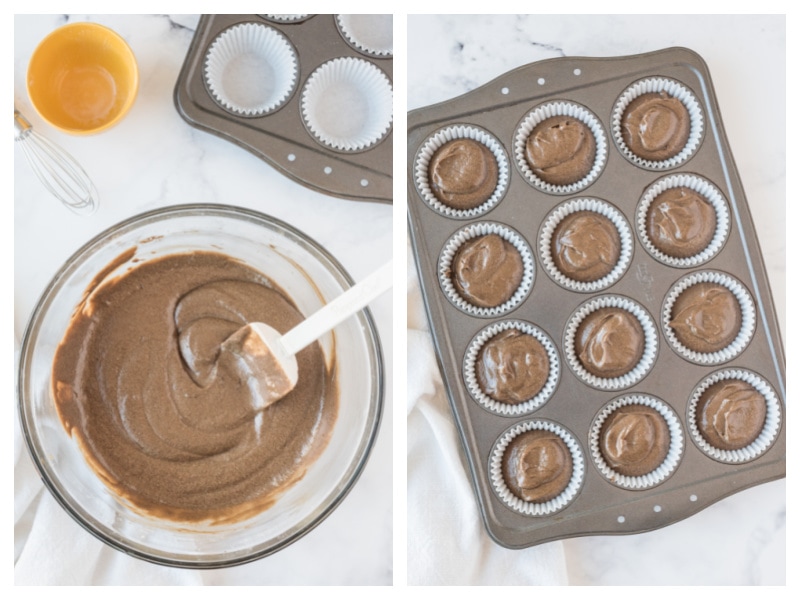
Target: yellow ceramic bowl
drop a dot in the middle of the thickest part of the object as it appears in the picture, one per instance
(82, 78)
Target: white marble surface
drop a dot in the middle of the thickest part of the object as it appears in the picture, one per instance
(742, 539)
(152, 159)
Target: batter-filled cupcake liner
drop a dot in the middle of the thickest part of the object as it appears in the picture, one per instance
(748, 315)
(706, 189)
(369, 34)
(660, 473)
(769, 432)
(600, 207)
(674, 89)
(440, 138)
(285, 18)
(505, 408)
(476, 230)
(251, 69)
(536, 509)
(347, 104)
(649, 352)
(552, 109)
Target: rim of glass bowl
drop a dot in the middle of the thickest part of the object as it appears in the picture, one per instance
(364, 448)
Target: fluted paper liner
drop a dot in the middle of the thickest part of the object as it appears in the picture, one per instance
(772, 422)
(236, 72)
(347, 104)
(660, 473)
(285, 18)
(536, 509)
(648, 354)
(476, 230)
(706, 189)
(552, 109)
(440, 138)
(674, 89)
(369, 34)
(594, 205)
(504, 408)
(746, 305)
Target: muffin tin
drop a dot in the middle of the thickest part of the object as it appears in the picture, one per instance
(309, 94)
(668, 379)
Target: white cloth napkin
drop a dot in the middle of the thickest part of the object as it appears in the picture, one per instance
(447, 542)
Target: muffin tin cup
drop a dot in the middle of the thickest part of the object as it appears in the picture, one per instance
(674, 89)
(602, 208)
(746, 306)
(706, 189)
(552, 109)
(439, 139)
(285, 18)
(476, 230)
(505, 408)
(251, 69)
(638, 372)
(660, 473)
(769, 432)
(535, 509)
(347, 104)
(369, 34)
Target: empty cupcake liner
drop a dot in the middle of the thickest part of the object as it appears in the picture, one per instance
(746, 305)
(369, 34)
(768, 434)
(594, 205)
(536, 508)
(503, 408)
(439, 139)
(650, 343)
(347, 104)
(251, 69)
(674, 89)
(659, 474)
(476, 230)
(552, 109)
(285, 18)
(703, 187)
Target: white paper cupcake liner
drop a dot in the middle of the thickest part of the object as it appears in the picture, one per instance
(772, 422)
(706, 189)
(440, 138)
(251, 69)
(476, 230)
(674, 89)
(648, 354)
(552, 109)
(285, 18)
(536, 509)
(369, 34)
(504, 408)
(577, 205)
(660, 473)
(746, 305)
(347, 104)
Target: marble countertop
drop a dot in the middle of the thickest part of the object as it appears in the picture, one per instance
(741, 539)
(151, 159)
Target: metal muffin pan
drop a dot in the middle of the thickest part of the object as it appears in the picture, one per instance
(281, 137)
(599, 507)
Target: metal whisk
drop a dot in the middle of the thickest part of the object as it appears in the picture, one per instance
(57, 170)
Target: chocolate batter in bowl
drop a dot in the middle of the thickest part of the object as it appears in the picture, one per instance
(225, 257)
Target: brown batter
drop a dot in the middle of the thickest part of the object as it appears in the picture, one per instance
(463, 174)
(656, 126)
(731, 414)
(634, 440)
(512, 367)
(681, 222)
(166, 419)
(585, 246)
(706, 317)
(487, 270)
(609, 342)
(560, 150)
(537, 466)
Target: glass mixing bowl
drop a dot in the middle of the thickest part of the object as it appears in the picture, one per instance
(311, 277)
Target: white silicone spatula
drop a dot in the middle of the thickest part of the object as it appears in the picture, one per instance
(265, 351)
